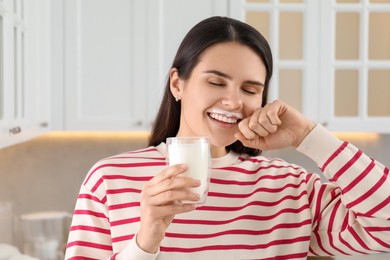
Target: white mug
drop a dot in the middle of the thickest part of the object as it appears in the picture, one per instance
(195, 152)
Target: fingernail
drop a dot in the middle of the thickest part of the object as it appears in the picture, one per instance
(196, 196)
(191, 206)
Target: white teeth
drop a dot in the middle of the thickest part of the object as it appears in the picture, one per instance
(225, 114)
(223, 118)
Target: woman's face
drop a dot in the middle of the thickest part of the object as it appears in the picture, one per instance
(224, 87)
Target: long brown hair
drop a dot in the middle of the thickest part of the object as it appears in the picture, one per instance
(206, 33)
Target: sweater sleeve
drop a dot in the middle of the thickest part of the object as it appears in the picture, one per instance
(351, 212)
(90, 236)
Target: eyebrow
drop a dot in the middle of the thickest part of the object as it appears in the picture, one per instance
(224, 75)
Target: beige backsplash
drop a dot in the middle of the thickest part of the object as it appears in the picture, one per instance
(45, 173)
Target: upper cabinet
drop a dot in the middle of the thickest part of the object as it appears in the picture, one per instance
(107, 64)
(102, 65)
(294, 39)
(116, 57)
(356, 65)
(24, 70)
(332, 58)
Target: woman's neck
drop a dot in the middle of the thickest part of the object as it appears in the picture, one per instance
(218, 151)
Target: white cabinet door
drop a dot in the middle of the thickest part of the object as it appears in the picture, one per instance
(117, 54)
(356, 72)
(332, 58)
(25, 72)
(104, 59)
(291, 28)
(5, 77)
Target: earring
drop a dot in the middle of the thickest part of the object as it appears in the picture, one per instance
(177, 99)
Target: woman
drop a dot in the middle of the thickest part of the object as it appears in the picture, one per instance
(257, 208)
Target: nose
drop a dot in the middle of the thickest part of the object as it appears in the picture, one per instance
(232, 100)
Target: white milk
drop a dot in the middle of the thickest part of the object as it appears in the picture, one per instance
(195, 152)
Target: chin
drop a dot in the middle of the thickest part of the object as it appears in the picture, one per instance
(219, 142)
(220, 138)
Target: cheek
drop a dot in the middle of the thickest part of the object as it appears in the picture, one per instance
(194, 108)
(251, 106)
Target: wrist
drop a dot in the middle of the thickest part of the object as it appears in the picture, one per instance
(134, 252)
(306, 130)
(148, 245)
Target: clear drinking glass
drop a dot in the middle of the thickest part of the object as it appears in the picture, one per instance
(195, 152)
(45, 234)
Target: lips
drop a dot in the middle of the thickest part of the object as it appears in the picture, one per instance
(225, 116)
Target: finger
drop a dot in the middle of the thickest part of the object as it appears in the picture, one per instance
(175, 183)
(173, 197)
(273, 109)
(260, 124)
(268, 121)
(243, 126)
(273, 117)
(168, 173)
(257, 143)
(168, 210)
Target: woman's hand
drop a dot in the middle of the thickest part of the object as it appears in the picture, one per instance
(277, 125)
(160, 200)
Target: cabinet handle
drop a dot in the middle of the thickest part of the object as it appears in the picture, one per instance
(15, 130)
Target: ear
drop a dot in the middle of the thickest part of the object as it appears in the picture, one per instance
(176, 84)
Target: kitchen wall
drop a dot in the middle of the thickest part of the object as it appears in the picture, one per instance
(45, 173)
(374, 145)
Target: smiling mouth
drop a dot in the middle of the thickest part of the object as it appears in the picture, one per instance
(225, 117)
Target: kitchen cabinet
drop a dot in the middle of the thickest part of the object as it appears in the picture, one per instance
(331, 58)
(24, 70)
(106, 72)
(116, 59)
(355, 85)
(102, 65)
(290, 28)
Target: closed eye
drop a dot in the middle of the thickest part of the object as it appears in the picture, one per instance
(252, 92)
(216, 84)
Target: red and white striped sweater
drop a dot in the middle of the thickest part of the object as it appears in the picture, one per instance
(257, 208)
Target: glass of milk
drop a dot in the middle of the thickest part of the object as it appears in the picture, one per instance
(195, 152)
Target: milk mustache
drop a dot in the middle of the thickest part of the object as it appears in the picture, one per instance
(195, 152)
